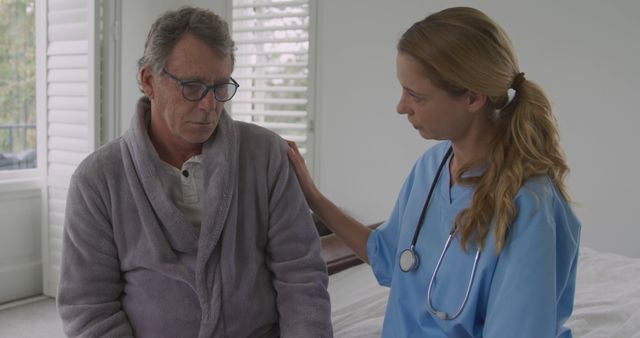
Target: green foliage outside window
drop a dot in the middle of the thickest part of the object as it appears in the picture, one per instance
(17, 84)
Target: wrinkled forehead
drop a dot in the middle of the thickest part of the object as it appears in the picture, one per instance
(195, 59)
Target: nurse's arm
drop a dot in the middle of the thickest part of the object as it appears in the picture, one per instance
(533, 284)
(352, 232)
(522, 301)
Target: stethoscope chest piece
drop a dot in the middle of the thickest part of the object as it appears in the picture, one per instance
(408, 260)
(408, 257)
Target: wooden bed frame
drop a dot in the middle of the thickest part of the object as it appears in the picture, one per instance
(336, 254)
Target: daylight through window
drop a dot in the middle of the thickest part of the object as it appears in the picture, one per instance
(272, 66)
(17, 85)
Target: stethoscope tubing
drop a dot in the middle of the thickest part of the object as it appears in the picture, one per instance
(441, 314)
(426, 202)
(409, 259)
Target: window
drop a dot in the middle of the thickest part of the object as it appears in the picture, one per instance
(17, 85)
(272, 67)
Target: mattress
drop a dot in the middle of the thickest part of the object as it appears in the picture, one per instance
(607, 300)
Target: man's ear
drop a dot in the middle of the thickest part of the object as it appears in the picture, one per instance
(147, 82)
(475, 101)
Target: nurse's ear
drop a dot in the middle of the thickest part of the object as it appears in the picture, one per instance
(475, 101)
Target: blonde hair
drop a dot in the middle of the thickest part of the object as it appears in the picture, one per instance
(462, 49)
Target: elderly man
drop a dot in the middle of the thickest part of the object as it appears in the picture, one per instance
(191, 224)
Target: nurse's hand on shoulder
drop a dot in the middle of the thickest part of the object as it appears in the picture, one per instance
(309, 188)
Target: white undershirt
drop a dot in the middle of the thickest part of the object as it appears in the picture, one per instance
(186, 188)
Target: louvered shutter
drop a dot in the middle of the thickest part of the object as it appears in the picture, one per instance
(272, 67)
(72, 106)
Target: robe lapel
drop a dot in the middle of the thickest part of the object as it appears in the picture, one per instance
(180, 233)
(220, 171)
(169, 228)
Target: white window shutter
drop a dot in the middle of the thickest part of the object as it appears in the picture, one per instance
(272, 67)
(72, 107)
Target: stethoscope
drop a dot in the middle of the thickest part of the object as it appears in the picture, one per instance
(409, 260)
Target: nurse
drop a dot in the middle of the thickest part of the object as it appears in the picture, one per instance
(482, 241)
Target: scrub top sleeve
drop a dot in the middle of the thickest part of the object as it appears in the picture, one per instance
(382, 243)
(523, 296)
(381, 253)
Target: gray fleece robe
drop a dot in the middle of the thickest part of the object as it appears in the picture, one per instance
(133, 265)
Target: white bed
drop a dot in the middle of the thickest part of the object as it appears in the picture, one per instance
(607, 300)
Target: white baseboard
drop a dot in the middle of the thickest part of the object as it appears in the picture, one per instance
(23, 302)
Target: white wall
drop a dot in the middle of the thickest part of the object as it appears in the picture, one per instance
(583, 52)
(20, 246)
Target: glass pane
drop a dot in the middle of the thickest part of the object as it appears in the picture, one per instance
(17, 85)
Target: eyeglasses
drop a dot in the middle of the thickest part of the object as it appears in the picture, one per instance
(196, 90)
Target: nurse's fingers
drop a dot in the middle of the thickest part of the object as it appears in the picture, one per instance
(302, 172)
(296, 158)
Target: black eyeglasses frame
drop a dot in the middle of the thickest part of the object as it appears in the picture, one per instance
(206, 87)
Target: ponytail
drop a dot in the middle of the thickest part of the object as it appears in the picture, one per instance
(462, 49)
(526, 144)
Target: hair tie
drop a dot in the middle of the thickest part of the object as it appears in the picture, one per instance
(511, 92)
(517, 81)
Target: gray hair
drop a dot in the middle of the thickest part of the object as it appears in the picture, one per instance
(165, 32)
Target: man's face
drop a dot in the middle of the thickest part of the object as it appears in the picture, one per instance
(175, 121)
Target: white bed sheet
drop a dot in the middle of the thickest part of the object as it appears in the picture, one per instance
(607, 301)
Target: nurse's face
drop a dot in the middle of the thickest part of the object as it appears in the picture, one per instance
(435, 113)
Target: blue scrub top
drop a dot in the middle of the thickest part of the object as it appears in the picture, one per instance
(525, 291)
